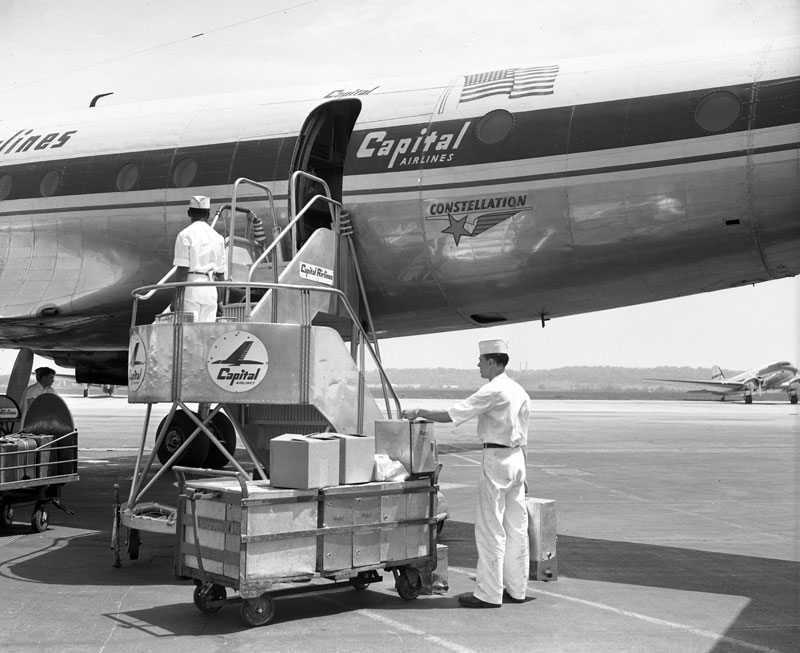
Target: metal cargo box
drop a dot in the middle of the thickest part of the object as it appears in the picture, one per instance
(247, 534)
(373, 523)
(412, 443)
(542, 536)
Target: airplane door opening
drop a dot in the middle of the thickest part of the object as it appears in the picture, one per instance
(320, 151)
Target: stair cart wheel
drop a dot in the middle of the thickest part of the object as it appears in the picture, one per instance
(209, 598)
(408, 583)
(6, 515)
(134, 540)
(39, 519)
(180, 428)
(258, 611)
(222, 427)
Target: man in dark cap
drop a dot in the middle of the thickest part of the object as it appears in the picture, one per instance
(44, 384)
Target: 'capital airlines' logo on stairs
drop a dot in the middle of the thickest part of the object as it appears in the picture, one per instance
(237, 361)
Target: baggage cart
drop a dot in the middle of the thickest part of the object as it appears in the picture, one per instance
(37, 461)
(265, 542)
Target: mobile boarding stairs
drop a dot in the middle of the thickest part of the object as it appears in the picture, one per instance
(267, 361)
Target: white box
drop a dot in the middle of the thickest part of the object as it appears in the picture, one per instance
(304, 462)
(356, 458)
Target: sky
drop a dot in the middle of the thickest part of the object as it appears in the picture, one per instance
(56, 56)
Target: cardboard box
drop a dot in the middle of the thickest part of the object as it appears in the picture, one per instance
(304, 461)
(356, 458)
(412, 443)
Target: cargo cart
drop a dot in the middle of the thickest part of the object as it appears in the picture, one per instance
(265, 542)
(38, 460)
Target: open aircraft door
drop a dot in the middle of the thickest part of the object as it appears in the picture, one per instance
(320, 151)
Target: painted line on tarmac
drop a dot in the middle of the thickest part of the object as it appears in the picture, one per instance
(708, 634)
(433, 639)
(469, 460)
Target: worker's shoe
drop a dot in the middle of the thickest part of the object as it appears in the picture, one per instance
(472, 601)
(507, 598)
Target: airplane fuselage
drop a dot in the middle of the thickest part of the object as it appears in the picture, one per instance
(502, 197)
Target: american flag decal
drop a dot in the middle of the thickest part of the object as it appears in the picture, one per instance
(513, 82)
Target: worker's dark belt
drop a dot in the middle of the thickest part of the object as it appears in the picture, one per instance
(494, 445)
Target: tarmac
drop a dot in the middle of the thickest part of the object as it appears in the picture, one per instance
(677, 532)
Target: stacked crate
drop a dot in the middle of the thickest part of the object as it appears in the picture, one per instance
(246, 537)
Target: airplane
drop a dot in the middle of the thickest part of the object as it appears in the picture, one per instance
(485, 197)
(780, 375)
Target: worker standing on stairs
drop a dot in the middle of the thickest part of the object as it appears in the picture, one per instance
(200, 256)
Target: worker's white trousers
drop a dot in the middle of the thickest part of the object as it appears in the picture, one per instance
(501, 527)
(202, 301)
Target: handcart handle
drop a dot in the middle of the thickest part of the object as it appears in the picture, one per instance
(181, 472)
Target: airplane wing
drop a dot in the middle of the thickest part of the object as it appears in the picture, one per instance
(713, 387)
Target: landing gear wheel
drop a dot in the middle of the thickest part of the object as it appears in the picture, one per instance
(134, 540)
(361, 581)
(793, 399)
(439, 527)
(6, 515)
(259, 611)
(180, 428)
(748, 399)
(222, 427)
(211, 599)
(39, 519)
(408, 584)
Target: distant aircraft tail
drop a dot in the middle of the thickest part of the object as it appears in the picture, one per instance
(719, 375)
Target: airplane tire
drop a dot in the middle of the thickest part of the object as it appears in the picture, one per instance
(224, 430)
(793, 399)
(748, 399)
(179, 431)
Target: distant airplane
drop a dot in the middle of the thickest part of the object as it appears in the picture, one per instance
(780, 375)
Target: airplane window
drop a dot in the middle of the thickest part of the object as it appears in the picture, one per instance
(184, 172)
(127, 176)
(494, 126)
(717, 111)
(49, 183)
(5, 186)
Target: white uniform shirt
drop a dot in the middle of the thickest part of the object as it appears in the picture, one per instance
(200, 248)
(31, 393)
(501, 406)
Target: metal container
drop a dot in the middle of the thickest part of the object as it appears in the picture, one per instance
(412, 443)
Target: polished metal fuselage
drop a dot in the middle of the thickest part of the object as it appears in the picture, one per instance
(612, 188)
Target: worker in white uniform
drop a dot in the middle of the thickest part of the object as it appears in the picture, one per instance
(501, 526)
(200, 256)
(44, 385)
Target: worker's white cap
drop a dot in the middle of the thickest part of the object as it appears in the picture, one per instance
(200, 202)
(493, 347)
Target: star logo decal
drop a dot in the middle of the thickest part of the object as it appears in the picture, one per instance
(457, 228)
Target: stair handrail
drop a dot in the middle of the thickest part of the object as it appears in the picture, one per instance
(137, 294)
(243, 181)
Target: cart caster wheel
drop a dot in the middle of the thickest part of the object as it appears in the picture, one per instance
(259, 611)
(409, 584)
(134, 541)
(211, 600)
(39, 520)
(360, 582)
(6, 515)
